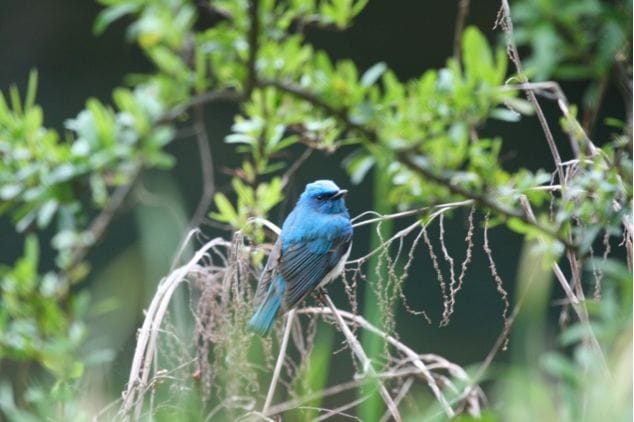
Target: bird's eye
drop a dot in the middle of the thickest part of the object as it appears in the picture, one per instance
(320, 197)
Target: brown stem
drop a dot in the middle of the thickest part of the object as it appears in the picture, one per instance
(507, 26)
(463, 11)
(99, 225)
(371, 136)
(206, 166)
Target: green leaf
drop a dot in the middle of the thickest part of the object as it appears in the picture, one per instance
(505, 115)
(10, 191)
(373, 74)
(227, 212)
(476, 54)
(358, 166)
(111, 14)
(31, 90)
(46, 213)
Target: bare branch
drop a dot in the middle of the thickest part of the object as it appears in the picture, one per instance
(99, 225)
(144, 354)
(507, 25)
(206, 165)
(499, 285)
(577, 304)
(280, 360)
(357, 349)
(416, 361)
(463, 11)
(449, 299)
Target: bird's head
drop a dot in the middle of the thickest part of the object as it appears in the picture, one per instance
(324, 196)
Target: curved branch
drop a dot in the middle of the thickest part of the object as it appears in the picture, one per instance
(371, 136)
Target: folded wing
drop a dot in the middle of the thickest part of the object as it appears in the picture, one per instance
(305, 264)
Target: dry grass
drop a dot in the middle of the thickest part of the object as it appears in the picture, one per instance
(221, 366)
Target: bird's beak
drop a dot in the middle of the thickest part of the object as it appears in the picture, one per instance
(340, 194)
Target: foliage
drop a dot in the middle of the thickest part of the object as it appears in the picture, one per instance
(573, 40)
(421, 135)
(581, 40)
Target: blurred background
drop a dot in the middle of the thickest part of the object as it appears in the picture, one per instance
(56, 38)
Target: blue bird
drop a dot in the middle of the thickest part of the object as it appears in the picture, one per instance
(310, 251)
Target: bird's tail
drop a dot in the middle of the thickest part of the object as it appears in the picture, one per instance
(262, 319)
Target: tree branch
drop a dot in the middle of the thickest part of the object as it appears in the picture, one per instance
(280, 361)
(507, 26)
(99, 225)
(463, 11)
(356, 348)
(371, 136)
(206, 166)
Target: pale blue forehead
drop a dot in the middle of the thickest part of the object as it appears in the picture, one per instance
(322, 186)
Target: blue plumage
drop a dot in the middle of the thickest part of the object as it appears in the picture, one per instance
(310, 251)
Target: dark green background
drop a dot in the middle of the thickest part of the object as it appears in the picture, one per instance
(56, 38)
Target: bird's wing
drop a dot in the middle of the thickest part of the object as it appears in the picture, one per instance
(268, 273)
(304, 264)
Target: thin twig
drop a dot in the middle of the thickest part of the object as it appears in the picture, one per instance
(206, 166)
(357, 349)
(408, 213)
(99, 225)
(577, 303)
(417, 362)
(296, 165)
(371, 136)
(483, 200)
(340, 409)
(463, 11)
(228, 95)
(147, 337)
(507, 26)
(280, 361)
(499, 284)
(401, 394)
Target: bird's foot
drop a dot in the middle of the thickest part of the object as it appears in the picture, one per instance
(321, 295)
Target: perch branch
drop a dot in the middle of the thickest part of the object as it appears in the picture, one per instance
(356, 348)
(416, 361)
(371, 136)
(280, 361)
